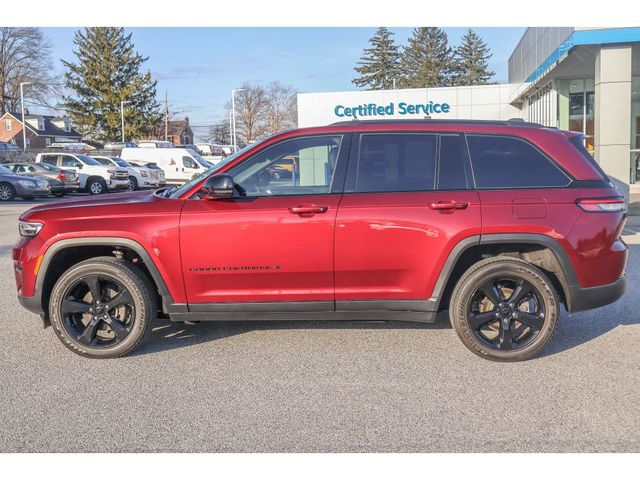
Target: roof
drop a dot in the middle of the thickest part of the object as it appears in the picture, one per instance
(50, 130)
(174, 127)
(514, 122)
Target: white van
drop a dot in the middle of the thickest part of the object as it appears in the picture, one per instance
(179, 164)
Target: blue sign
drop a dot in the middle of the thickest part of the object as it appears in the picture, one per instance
(373, 110)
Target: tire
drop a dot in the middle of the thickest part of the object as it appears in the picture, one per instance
(7, 192)
(96, 186)
(85, 324)
(522, 327)
(133, 184)
(58, 194)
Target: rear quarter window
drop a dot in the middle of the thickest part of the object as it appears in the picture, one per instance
(510, 162)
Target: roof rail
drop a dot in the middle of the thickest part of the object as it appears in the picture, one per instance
(513, 122)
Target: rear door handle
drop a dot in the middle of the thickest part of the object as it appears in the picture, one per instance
(448, 205)
(308, 210)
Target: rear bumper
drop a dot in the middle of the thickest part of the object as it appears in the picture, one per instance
(594, 297)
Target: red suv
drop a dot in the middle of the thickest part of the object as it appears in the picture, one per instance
(498, 222)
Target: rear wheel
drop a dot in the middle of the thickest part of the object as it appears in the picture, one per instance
(7, 192)
(102, 307)
(504, 309)
(58, 194)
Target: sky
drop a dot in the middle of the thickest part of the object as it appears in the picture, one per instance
(198, 67)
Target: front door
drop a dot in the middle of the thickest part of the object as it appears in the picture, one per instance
(273, 242)
(407, 201)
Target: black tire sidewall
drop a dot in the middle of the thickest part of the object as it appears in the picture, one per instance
(131, 279)
(472, 279)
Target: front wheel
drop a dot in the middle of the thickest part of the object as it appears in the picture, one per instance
(504, 309)
(102, 307)
(7, 192)
(96, 186)
(133, 184)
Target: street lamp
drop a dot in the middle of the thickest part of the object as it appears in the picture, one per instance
(122, 116)
(233, 115)
(24, 128)
(231, 129)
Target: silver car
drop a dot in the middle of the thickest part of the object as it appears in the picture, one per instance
(12, 186)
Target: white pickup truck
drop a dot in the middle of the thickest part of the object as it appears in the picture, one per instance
(95, 178)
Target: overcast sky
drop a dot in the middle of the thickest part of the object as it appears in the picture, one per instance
(198, 67)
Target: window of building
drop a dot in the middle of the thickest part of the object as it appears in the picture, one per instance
(8, 125)
(575, 110)
(301, 166)
(396, 162)
(509, 162)
(47, 141)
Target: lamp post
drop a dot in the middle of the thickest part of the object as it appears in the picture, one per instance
(231, 129)
(122, 116)
(24, 129)
(233, 116)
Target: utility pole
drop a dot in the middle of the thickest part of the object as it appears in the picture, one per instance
(24, 127)
(166, 116)
(122, 115)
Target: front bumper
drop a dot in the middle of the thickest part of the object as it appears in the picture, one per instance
(33, 304)
(118, 184)
(594, 297)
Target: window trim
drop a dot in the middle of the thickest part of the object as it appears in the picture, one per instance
(566, 174)
(337, 181)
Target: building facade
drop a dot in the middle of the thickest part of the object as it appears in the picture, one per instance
(586, 80)
(178, 132)
(41, 130)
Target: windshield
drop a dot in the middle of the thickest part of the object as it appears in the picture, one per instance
(4, 170)
(86, 159)
(103, 161)
(187, 186)
(46, 166)
(122, 163)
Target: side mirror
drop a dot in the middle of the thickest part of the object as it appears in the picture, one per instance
(79, 166)
(217, 187)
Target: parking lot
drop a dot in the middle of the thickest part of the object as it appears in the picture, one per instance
(321, 386)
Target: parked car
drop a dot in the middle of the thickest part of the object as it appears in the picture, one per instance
(497, 222)
(70, 147)
(118, 145)
(60, 181)
(191, 147)
(12, 186)
(94, 177)
(9, 152)
(153, 168)
(179, 164)
(227, 149)
(139, 177)
(212, 153)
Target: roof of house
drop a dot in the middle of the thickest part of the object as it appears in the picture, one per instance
(50, 130)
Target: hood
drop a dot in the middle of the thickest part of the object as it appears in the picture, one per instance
(123, 199)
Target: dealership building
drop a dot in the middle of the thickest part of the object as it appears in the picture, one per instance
(586, 80)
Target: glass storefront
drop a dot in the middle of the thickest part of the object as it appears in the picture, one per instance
(576, 100)
(635, 130)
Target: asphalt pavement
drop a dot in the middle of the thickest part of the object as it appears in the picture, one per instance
(321, 386)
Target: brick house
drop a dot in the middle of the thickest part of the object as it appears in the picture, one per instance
(42, 130)
(178, 131)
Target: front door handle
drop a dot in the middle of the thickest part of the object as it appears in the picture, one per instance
(448, 205)
(308, 210)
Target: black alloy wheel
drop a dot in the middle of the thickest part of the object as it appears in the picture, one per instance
(504, 309)
(102, 307)
(97, 310)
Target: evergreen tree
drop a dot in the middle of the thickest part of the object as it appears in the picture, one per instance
(107, 72)
(379, 65)
(471, 58)
(427, 60)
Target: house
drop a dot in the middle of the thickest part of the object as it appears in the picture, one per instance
(42, 130)
(177, 131)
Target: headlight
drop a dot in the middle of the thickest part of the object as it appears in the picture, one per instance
(29, 229)
(111, 171)
(144, 173)
(26, 183)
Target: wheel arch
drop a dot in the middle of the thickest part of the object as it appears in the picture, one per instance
(540, 250)
(64, 253)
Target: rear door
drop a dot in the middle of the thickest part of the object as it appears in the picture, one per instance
(407, 202)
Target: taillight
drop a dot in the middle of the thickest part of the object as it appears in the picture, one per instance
(60, 176)
(617, 205)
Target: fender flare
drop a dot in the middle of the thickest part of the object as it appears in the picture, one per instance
(568, 278)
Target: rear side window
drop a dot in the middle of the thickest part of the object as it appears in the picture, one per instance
(578, 143)
(396, 162)
(509, 162)
(452, 170)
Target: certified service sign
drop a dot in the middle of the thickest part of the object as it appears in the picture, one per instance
(391, 109)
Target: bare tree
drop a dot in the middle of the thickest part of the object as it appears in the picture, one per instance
(282, 108)
(219, 133)
(25, 56)
(251, 112)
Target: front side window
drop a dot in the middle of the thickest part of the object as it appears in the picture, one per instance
(68, 161)
(301, 166)
(509, 162)
(189, 162)
(49, 159)
(396, 162)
